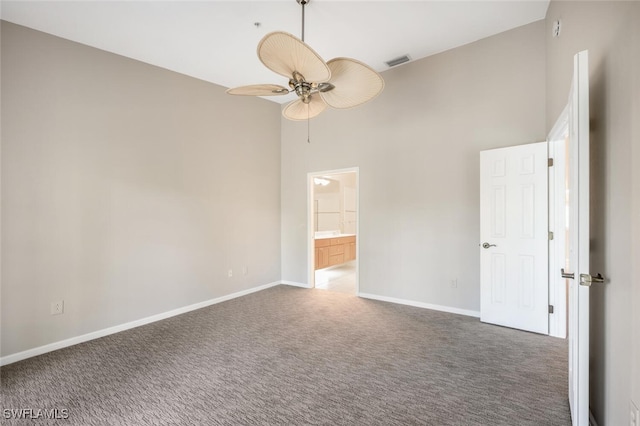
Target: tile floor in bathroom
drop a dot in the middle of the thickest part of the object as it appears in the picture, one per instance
(339, 278)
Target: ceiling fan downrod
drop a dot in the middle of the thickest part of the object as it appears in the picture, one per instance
(302, 88)
(302, 3)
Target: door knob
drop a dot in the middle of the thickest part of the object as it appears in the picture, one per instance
(587, 280)
(487, 245)
(569, 275)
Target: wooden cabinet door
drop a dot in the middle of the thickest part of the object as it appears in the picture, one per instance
(350, 252)
(322, 257)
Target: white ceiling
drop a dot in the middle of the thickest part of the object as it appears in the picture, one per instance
(216, 40)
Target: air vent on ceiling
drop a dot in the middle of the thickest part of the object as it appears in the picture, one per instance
(398, 61)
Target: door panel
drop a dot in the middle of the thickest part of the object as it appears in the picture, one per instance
(513, 222)
(527, 280)
(498, 212)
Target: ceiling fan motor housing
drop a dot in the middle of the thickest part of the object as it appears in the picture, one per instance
(301, 87)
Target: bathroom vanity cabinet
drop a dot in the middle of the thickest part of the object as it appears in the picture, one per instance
(332, 251)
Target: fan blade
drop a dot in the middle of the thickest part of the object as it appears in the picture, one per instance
(298, 110)
(283, 53)
(259, 90)
(355, 83)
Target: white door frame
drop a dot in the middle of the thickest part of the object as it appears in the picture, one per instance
(557, 225)
(311, 261)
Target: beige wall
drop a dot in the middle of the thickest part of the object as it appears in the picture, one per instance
(418, 148)
(609, 30)
(127, 190)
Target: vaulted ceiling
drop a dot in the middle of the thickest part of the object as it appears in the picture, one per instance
(216, 40)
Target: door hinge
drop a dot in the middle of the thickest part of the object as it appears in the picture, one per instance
(550, 309)
(550, 235)
(550, 162)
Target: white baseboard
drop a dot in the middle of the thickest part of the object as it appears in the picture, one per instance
(9, 359)
(295, 284)
(421, 305)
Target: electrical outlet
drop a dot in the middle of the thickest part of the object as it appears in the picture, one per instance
(634, 415)
(245, 270)
(454, 283)
(57, 307)
(230, 273)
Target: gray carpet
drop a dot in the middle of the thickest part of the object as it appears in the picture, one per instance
(295, 356)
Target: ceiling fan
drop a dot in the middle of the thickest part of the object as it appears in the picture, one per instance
(339, 83)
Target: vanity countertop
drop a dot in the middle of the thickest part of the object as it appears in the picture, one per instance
(324, 237)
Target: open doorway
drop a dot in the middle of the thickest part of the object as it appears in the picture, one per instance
(333, 224)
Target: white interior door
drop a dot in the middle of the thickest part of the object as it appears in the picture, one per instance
(577, 271)
(514, 237)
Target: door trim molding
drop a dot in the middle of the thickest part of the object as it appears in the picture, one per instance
(557, 206)
(557, 285)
